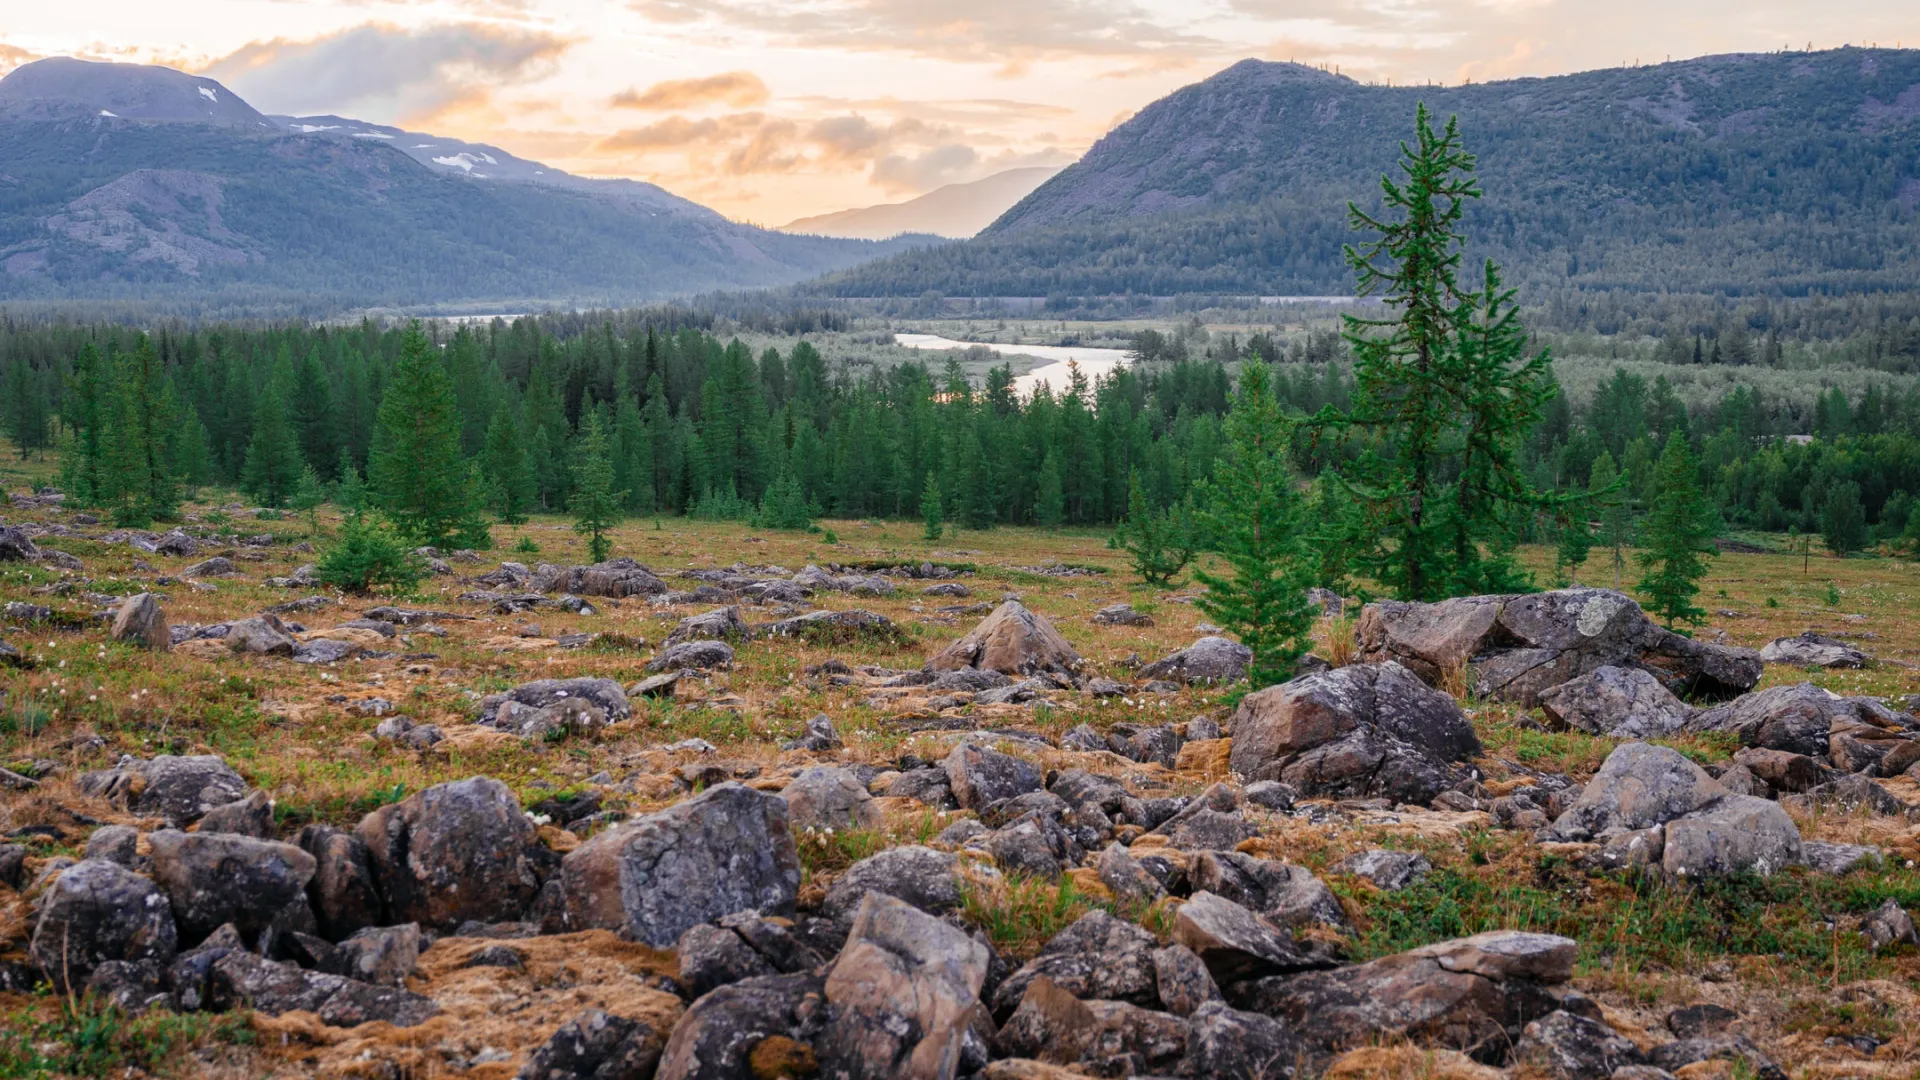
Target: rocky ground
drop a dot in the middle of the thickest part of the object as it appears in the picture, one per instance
(743, 804)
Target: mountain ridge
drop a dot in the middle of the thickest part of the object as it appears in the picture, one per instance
(955, 211)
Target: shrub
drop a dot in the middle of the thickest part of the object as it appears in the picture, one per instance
(368, 556)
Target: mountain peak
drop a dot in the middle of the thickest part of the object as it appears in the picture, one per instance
(128, 91)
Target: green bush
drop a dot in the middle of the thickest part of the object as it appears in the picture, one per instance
(369, 556)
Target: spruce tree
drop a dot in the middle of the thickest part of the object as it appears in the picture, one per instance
(274, 462)
(510, 481)
(1909, 542)
(25, 408)
(1571, 553)
(350, 491)
(1680, 528)
(784, 506)
(1616, 520)
(594, 503)
(310, 410)
(1160, 545)
(1253, 519)
(1843, 520)
(140, 481)
(416, 471)
(932, 514)
(1049, 504)
(308, 494)
(1444, 393)
(87, 410)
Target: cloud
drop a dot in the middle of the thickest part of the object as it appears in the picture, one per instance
(12, 56)
(924, 172)
(1012, 33)
(740, 89)
(388, 73)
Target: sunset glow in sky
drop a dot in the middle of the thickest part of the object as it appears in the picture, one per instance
(772, 109)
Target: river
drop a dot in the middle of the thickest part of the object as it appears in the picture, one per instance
(1053, 371)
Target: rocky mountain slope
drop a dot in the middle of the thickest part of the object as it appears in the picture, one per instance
(144, 184)
(956, 210)
(1778, 173)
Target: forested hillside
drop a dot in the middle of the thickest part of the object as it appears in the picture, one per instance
(228, 213)
(1778, 174)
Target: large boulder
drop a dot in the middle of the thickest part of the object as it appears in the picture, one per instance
(139, 621)
(456, 851)
(1812, 650)
(96, 912)
(1474, 995)
(1736, 834)
(722, 1034)
(904, 994)
(1515, 647)
(1013, 641)
(1639, 786)
(923, 877)
(827, 797)
(16, 545)
(216, 878)
(615, 577)
(1211, 661)
(979, 776)
(1798, 718)
(1622, 703)
(1098, 956)
(720, 624)
(1365, 730)
(604, 694)
(726, 850)
(182, 789)
(241, 978)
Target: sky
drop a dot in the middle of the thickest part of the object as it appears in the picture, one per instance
(770, 110)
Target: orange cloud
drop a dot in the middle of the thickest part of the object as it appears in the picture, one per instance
(741, 89)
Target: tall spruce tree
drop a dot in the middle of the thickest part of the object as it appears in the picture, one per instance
(1444, 392)
(510, 482)
(416, 471)
(274, 461)
(1159, 544)
(1253, 518)
(25, 408)
(141, 484)
(1680, 528)
(1843, 520)
(1616, 520)
(932, 513)
(596, 506)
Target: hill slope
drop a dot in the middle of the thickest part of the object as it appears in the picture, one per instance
(955, 210)
(145, 184)
(1779, 173)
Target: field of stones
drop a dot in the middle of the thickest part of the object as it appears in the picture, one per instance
(743, 803)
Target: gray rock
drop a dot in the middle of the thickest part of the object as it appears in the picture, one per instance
(262, 635)
(725, 850)
(1564, 1046)
(903, 995)
(140, 621)
(1365, 730)
(596, 1045)
(1127, 879)
(719, 1031)
(343, 893)
(1210, 661)
(1013, 641)
(1813, 650)
(1623, 703)
(1639, 786)
(382, 955)
(820, 737)
(1797, 719)
(97, 911)
(978, 776)
(1181, 980)
(453, 852)
(1289, 895)
(242, 978)
(826, 797)
(1223, 1041)
(720, 624)
(714, 956)
(969, 680)
(1034, 846)
(183, 789)
(216, 878)
(693, 655)
(116, 844)
(251, 816)
(1235, 943)
(1097, 956)
(1388, 870)
(1733, 834)
(923, 877)
(604, 694)
(1103, 1037)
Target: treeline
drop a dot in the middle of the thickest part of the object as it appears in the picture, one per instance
(694, 424)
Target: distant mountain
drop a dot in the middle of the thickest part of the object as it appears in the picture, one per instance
(956, 210)
(147, 185)
(1780, 174)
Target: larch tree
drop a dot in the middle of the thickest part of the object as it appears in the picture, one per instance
(416, 470)
(1680, 528)
(596, 506)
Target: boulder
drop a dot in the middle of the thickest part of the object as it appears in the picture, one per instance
(1013, 641)
(604, 694)
(1798, 718)
(832, 627)
(183, 789)
(97, 911)
(693, 656)
(140, 621)
(1365, 730)
(1236, 944)
(1387, 870)
(1105, 1038)
(1210, 661)
(342, 892)
(16, 545)
(720, 624)
(923, 877)
(1182, 981)
(1097, 956)
(723, 1033)
(1639, 786)
(725, 850)
(241, 978)
(1622, 703)
(1734, 834)
(1120, 615)
(455, 851)
(1563, 1046)
(903, 995)
(1126, 878)
(1474, 995)
(978, 776)
(596, 1045)
(1812, 650)
(1223, 1041)
(1515, 647)
(251, 816)
(1289, 895)
(262, 635)
(826, 797)
(216, 878)
(1889, 925)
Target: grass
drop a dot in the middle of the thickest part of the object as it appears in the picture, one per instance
(88, 1039)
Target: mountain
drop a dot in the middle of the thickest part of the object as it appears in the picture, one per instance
(1783, 174)
(167, 191)
(956, 210)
